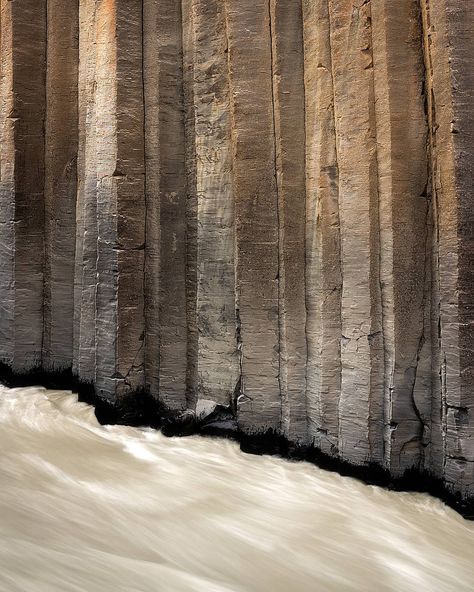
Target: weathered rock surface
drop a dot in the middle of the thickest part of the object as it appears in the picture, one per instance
(253, 215)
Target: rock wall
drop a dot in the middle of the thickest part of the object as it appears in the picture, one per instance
(251, 215)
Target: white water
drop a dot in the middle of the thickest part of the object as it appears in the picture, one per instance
(86, 508)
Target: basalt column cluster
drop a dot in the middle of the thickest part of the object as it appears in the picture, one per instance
(257, 214)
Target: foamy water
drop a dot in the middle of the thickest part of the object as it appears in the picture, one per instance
(86, 508)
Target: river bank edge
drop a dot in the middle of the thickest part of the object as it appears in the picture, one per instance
(142, 410)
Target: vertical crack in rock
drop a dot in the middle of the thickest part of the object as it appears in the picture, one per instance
(273, 13)
(375, 338)
(143, 349)
(435, 453)
(239, 391)
(152, 104)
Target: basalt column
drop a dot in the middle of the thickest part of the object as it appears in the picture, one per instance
(405, 229)
(166, 304)
(60, 181)
(218, 369)
(323, 233)
(256, 213)
(86, 204)
(111, 193)
(289, 128)
(188, 36)
(449, 50)
(22, 115)
(361, 413)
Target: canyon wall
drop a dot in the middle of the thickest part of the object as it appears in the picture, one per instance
(257, 214)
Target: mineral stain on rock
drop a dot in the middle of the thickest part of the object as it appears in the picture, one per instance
(247, 217)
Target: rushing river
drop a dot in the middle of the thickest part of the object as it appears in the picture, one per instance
(86, 508)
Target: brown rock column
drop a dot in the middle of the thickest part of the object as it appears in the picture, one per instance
(404, 229)
(289, 109)
(323, 240)
(361, 403)
(166, 251)
(22, 113)
(256, 212)
(60, 181)
(449, 41)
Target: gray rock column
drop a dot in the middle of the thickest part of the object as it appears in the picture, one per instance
(22, 119)
(166, 250)
(218, 368)
(256, 212)
(61, 145)
(111, 201)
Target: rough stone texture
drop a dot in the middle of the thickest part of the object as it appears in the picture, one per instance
(217, 356)
(449, 42)
(323, 234)
(166, 324)
(269, 228)
(289, 123)
(361, 401)
(23, 100)
(86, 206)
(61, 144)
(401, 133)
(256, 211)
(128, 182)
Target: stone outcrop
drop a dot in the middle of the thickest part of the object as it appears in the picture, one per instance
(250, 216)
